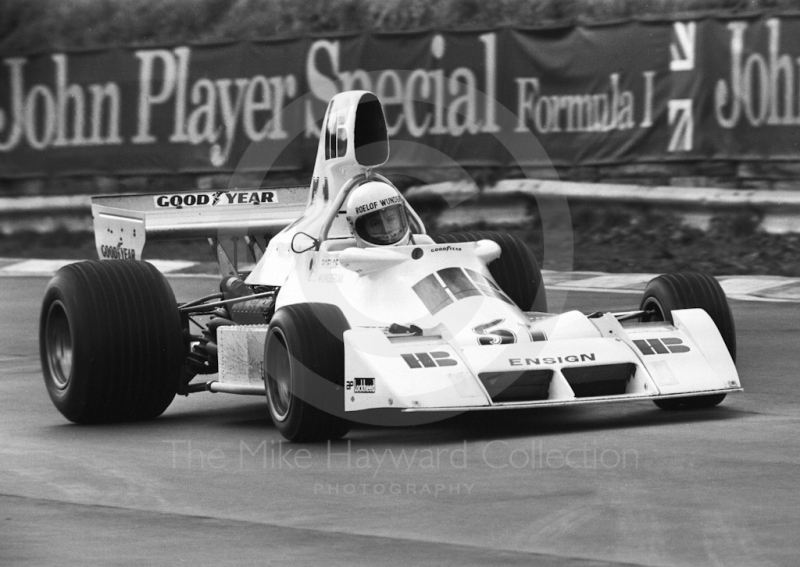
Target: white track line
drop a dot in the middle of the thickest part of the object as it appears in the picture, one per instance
(50, 267)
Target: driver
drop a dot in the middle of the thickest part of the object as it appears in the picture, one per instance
(377, 216)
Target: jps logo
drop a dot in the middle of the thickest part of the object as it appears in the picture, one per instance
(666, 345)
(429, 359)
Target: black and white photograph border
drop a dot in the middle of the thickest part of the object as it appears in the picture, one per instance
(120, 473)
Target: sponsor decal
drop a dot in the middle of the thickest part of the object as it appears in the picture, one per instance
(215, 198)
(117, 252)
(364, 386)
(379, 204)
(552, 360)
(365, 208)
(391, 201)
(429, 359)
(446, 249)
(666, 345)
(445, 287)
(327, 270)
(361, 385)
(489, 336)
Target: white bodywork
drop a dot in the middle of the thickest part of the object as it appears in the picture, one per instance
(451, 379)
(473, 342)
(705, 367)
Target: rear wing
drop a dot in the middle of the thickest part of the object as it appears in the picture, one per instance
(123, 223)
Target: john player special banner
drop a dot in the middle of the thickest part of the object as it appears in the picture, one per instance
(639, 91)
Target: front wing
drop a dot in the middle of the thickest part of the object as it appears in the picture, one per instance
(622, 363)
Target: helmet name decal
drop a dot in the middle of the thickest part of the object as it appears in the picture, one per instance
(368, 207)
(391, 201)
(382, 203)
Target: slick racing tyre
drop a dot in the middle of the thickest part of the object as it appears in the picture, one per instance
(110, 341)
(304, 371)
(515, 271)
(669, 292)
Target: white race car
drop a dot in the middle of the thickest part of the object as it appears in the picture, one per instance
(351, 309)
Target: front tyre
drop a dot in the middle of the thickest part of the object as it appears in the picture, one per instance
(515, 271)
(110, 341)
(304, 372)
(689, 290)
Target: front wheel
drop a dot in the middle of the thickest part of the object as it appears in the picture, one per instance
(515, 271)
(304, 372)
(110, 341)
(689, 290)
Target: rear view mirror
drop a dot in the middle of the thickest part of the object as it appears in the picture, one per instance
(302, 242)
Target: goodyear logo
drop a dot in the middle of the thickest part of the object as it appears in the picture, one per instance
(215, 198)
(666, 345)
(117, 252)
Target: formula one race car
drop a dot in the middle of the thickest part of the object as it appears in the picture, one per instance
(351, 306)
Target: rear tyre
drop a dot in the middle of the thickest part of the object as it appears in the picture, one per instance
(669, 292)
(110, 341)
(304, 378)
(515, 271)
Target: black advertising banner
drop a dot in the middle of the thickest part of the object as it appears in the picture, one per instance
(750, 89)
(603, 105)
(636, 91)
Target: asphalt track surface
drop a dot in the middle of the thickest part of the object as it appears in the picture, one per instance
(211, 482)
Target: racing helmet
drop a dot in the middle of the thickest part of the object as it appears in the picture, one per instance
(377, 215)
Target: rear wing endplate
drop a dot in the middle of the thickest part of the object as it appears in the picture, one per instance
(123, 223)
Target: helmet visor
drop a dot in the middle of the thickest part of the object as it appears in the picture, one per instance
(384, 227)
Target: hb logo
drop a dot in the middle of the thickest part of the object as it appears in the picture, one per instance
(429, 359)
(666, 345)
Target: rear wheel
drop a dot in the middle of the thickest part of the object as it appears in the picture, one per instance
(304, 378)
(110, 341)
(515, 271)
(669, 292)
